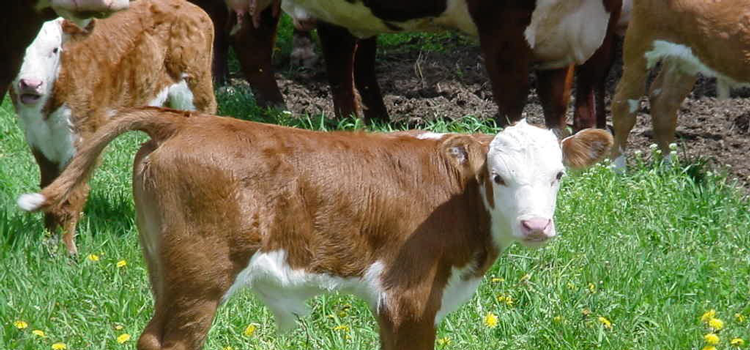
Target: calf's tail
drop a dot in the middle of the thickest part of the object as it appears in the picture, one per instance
(158, 123)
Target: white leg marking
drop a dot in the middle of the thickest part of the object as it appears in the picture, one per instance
(457, 291)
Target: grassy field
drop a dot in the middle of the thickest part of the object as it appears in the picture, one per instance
(640, 258)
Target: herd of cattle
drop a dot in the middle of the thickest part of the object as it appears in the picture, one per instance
(409, 221)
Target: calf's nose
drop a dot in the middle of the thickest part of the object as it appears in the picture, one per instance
(29, 84)
(536, 226)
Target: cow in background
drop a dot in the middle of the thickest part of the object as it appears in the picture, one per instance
(157, 53)
(514, 35)
(21, 20)
(688, 37)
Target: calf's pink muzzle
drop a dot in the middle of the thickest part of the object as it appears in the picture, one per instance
(537, 229)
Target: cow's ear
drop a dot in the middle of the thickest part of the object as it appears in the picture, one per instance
(585, 148)
(465, 152)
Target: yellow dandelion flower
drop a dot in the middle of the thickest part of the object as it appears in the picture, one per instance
(716, 324)
(592, 288)
(497, 280)
(737, 342)
(38, 333)
(570, 285)
(708, 315)
(122, 263)
(59, 346)
(342, 327)
(604, 321)
(739, 317)
(250, 330)
(711, 339)
(93, 257)
(444, 341)
(123, 338)
(709, 347)
(20, 324)
(490, 320)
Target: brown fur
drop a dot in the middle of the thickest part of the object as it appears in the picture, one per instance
(718, 32)
(125, 61)
(210, 192)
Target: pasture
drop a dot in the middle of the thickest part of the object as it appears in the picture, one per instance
(640, 259)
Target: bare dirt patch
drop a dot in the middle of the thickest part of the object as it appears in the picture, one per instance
(420, 85)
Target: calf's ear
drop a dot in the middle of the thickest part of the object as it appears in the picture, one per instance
(465, 153)
(585, 148)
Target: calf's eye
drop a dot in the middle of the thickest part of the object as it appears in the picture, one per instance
(55, 50)
(498, 180)
(559, 175)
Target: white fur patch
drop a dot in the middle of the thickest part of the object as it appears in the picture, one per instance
(564, 32)
(633, 105)
(284, 290)
(362, 23)
(177, 96)
(687, 63)
(619, 165)
(458, 290)
(430, 136)
(31, 201)
(53, 136)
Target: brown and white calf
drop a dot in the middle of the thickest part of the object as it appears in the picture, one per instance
(21, 20)
(515, 36)
(408, 222)
(688, 37)
(156, 53)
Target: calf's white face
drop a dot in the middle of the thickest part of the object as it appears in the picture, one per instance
(525, 165)
(40, 67)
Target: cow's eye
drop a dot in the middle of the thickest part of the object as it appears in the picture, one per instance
(498, 179)
(55, 50)
(560, 175)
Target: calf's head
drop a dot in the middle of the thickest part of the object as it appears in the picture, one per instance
(521, 175)
(41, 63)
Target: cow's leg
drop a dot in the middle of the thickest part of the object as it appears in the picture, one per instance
(507, 55)
(670, 88)
(254, 48)
(591, 79)
(367, 82)
(219, 14)
(303, 49)
(67, 214)
(630, 89)
(553, 88)
(338, 53)
(415, 332)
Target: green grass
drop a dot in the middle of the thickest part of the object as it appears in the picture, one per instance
(649, 251)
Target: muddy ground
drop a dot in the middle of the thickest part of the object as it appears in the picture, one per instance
(453, 83)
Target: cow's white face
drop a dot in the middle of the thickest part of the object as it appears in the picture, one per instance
(40, 67)
(525, 165)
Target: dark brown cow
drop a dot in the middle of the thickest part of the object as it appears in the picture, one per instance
(410, 222)
(21, 20)
(515, 36)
